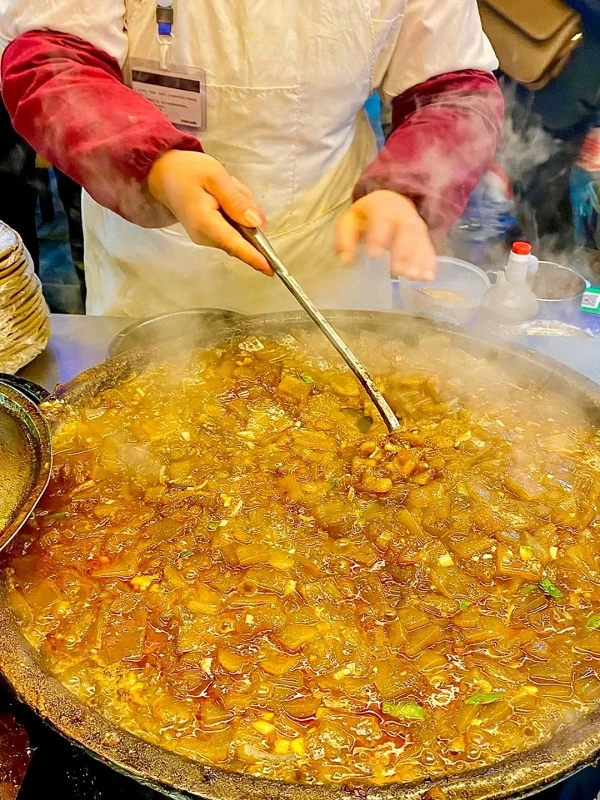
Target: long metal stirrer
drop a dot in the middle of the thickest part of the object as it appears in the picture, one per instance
(257, 238)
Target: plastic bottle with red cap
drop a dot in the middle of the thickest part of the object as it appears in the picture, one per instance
(511, 297)
(521, 254)
(521, 249)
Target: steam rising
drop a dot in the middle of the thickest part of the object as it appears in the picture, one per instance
(526, 148)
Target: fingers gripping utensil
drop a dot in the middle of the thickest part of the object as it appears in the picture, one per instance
(257, 238)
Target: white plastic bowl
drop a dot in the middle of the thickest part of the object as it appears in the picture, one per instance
(454, 296)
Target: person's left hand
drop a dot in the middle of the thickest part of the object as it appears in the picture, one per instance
(385, 220)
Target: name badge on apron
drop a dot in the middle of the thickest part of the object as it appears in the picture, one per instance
(179, 92)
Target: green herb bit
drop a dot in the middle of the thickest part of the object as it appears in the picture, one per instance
(307, 378)
(464, 604)
(550, 588)
(593, 623)
(212, 526)
(58, 515)
(485, 698)
(186, 554)
(404, 710)
(335, 484)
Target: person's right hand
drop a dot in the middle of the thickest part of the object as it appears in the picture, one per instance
(195, 187)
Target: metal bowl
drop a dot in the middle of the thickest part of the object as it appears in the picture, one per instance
(559, 291)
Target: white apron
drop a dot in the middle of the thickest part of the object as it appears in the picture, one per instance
(286, 85)
(287, 82)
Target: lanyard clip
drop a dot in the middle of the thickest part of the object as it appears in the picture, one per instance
(165, 17)
(164, 20)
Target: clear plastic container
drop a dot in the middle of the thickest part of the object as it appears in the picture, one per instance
(454, 296)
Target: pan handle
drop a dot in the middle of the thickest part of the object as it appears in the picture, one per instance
(32, 391)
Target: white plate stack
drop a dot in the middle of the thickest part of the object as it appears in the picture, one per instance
(24, 315)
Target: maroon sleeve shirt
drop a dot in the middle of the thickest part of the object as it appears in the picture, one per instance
(68, 99)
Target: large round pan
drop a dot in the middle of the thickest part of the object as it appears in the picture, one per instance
(178, 777)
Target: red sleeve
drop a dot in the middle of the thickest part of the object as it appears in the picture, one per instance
(445, 135)
(68, 100)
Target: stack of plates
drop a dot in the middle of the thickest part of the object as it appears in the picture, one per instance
(24, 316)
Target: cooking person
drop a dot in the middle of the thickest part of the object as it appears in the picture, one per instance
(275, 130)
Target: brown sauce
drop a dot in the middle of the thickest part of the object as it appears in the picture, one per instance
(234, 561)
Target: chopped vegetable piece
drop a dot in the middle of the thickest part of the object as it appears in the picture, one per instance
(264, 727)
(293, 388)
(298, 747)
(212, 714)
(143, 582)
(464, 604)
(363, 422)
(593, 623)
(307, 378)
(293, 636)
(230, 661)
(403, 710)
(484, 698)
(303, 707)
(278, 663)
(550, 588)
(422, 638)
(253, 554)
(528, 589)
(413, 618)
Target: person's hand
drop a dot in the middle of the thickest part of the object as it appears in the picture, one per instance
(387, 221)
(195, 187)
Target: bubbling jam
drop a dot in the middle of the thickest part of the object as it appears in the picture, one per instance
(235, 561)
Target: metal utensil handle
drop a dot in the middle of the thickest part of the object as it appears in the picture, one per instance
(257, 238)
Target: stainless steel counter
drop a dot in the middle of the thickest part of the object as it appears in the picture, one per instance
(77, 343)
(80, 342)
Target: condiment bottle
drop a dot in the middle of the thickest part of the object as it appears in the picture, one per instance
(511, 297)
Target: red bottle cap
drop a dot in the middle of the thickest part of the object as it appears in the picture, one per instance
(521, 248)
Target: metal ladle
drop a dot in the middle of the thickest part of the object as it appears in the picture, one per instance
(258, 240)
